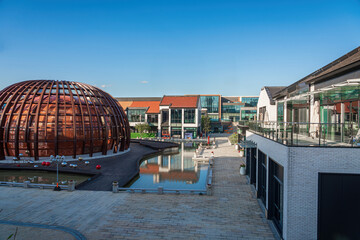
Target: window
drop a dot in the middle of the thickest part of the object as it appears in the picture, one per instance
(176, 115)
(189, 115)
(211, 103)
(248, 114)
(250, 101)
(136, 115)
(152, 118)
(280, 112)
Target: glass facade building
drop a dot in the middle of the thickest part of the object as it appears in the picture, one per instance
(250, 101)
(211, 103)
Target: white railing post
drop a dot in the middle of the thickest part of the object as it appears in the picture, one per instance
(115, 187)
(26, 184)
(71, 186)
(160, 190)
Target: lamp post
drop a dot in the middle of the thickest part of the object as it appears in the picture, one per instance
(57, 159)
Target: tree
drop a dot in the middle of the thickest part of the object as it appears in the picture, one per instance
(142, 127)
(205, 124)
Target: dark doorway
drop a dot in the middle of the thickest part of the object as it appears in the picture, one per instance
(251, 164)
(262, 176)
(276, 194)
(338, 206)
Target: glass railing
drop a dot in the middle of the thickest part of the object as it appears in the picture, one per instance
(308, 134)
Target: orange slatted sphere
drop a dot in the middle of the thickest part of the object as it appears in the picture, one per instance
(47, 117)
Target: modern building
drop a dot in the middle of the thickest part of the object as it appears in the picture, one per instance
(235, 109)
(180, 116)
(249, 110)
(39, 118)
(169, 116)
(211, 106)
(142, 110)
(302, 156)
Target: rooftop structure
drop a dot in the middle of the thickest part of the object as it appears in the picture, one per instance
(39, 118)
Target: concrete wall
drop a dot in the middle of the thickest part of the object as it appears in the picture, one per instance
(302, 166)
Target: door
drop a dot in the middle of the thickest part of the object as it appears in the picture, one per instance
(338, 206)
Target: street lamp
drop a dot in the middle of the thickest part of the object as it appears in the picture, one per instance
(57, 160)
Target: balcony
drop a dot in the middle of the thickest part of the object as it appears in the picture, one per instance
(308, 134)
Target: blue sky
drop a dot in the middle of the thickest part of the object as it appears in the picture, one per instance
(152, 48)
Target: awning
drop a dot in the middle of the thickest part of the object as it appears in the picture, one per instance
(247, 144)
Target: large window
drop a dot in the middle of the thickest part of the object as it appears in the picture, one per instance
(250, 101)
(248, 114)
(153, 118)
(211, 103)
(189, 115)
(176, 115)
(136, 115)
(231, 108)
(280, 112)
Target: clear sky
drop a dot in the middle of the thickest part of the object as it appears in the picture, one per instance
(152, 48)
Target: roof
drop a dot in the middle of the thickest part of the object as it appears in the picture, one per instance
(138, 98)
(271, 91)
(341, 65)
(180, 101)
(153, 106)
(125, 104)
(230, 99)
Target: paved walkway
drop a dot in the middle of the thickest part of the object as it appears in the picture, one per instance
(231, 213)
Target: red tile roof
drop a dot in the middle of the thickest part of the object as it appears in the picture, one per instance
(152, 105)
(180, 101)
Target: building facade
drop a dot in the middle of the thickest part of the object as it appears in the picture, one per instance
(302, 156)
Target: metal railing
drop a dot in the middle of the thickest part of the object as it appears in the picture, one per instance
(308, 134)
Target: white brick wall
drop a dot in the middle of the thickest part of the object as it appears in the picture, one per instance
(302, 166)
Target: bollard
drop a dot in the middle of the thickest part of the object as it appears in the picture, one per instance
(26, 184)
(71, 186)
(115, 187)
(208, 190)
(160, 190)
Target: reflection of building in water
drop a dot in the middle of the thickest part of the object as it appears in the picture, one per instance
(177, 168)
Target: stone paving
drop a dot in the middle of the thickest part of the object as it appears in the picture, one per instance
(231, 213)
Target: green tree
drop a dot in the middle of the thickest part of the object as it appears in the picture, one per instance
(142, 127)
(205, 124)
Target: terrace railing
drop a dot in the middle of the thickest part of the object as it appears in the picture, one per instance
(308, 134)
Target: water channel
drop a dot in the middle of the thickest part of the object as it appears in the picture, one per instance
(173, 171)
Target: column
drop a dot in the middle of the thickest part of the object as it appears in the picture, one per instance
(182, 123)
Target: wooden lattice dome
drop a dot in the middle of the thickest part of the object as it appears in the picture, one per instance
(47, 117)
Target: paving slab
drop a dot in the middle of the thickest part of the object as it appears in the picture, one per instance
(232, 212)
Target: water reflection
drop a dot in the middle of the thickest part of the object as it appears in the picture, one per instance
(173, 171)
(42, 177)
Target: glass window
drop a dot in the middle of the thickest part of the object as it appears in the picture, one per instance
(153, 118)
(189, 115)
(248, 114)
(136, 115)
(250, 101)
(176, 115)
(280, 112)
(211, 103)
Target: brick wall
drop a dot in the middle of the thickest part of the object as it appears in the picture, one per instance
(302, 166)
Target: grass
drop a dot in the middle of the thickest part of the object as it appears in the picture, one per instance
(144, 135)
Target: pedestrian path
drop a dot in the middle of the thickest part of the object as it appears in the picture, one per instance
(231, 213)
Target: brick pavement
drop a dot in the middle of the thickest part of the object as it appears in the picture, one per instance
(231, 213)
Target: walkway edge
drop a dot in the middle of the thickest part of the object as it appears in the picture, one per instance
(73, 232)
